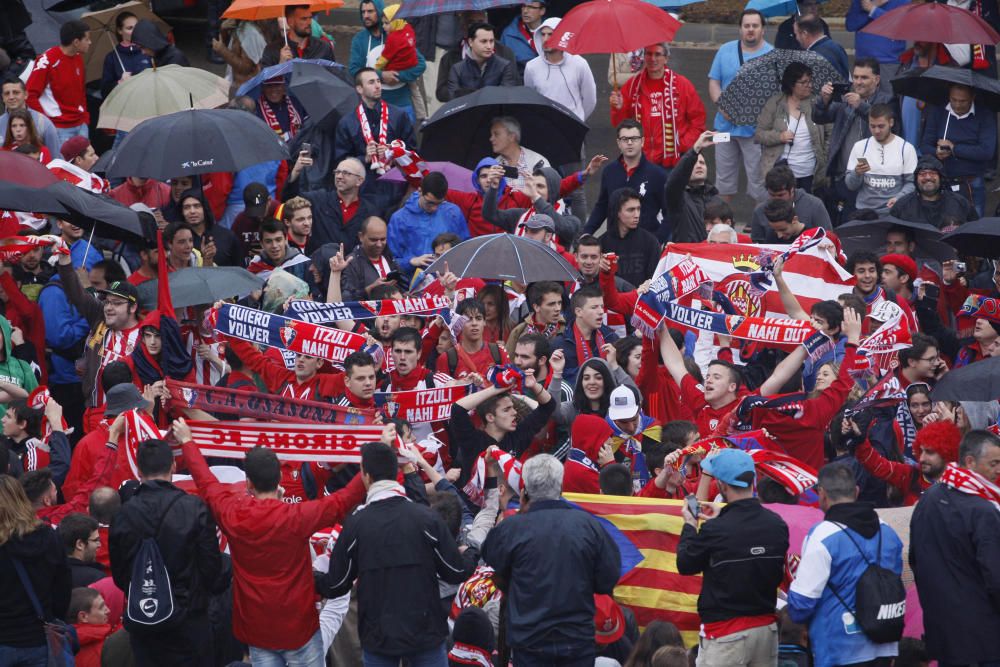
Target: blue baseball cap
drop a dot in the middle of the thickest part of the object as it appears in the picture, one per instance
(728, 465)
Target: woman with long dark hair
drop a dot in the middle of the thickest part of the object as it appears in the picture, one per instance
(126, 59)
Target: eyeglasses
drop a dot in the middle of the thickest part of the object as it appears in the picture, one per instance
(804, 82)
(630, 140)
(344, 172)
(936, 357)
(117, 303)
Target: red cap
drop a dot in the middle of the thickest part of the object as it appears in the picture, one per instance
(74, 147)
(902, 262)
(609, 622)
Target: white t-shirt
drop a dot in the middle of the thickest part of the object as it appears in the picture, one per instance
(800, 154)
(891, 176)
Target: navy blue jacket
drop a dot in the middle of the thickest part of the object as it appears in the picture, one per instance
(466, 76)
(835, 53)
(975, 139)
(954, 554)
(648, 180)
(551, 560)
(348, 141)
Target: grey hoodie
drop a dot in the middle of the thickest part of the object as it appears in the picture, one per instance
(568, 82)
(567, 226)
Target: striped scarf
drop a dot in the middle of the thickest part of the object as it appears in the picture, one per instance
(971, 483)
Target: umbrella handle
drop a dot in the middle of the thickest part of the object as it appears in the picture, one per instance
(114, 49)
(614, 71)
(283, 24)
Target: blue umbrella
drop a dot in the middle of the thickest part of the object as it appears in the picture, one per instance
(673, 4)
(771, 8)
(252, 87)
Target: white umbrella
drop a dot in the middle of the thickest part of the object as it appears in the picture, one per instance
(159, 91)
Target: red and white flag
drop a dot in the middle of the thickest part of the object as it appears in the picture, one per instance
(812, 274)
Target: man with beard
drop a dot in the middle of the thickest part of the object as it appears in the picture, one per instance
(367, 132)
(300, 43)
(667, 105)
(217, 244)
(931, 203)
(935, 446)
(372, 38)
(297, 215)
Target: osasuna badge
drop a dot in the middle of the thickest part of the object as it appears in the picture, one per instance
(288, 333)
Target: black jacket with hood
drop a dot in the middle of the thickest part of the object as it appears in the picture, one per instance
(567, 226)
(229, 249)
(638, 250)
(147, 35)
(42, 555)
(685, 204)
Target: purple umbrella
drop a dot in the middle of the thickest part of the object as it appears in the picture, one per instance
(459, 178)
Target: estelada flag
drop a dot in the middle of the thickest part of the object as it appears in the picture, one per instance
(647, 531)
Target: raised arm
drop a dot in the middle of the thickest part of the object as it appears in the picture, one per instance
(788, 300)
(672, 357)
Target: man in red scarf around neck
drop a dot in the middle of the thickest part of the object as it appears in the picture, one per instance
(667, 105)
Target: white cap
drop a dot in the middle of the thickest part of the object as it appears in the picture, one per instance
(623, 404)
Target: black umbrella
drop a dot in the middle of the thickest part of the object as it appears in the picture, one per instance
(106, 217)
(103, 162)
(17, 197)
(976, 382)
(505, 257)
(321, 92)
(198, 286)
(196, 141)
(979, 238)
(868, 234)
(460, 131)
(760, 79)
(932, 85)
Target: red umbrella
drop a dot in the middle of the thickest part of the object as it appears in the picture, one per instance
(933, 22)
(614, 26)
(22, 170)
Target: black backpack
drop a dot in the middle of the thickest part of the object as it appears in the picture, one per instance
(879, 598)
(150, 595)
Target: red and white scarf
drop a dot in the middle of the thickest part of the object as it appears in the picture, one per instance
(667, 105)
(409, 163)
(971, 483)
(532, 326)
(74, 175)
(16, 247)
(271, 118)
(583, 352)
(379, 165)
(467, 654)
(320, 443)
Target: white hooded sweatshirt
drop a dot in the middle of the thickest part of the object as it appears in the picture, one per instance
(568, 82)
